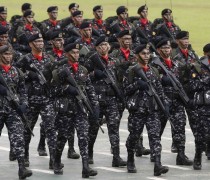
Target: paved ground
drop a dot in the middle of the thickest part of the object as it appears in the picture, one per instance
(103, 159)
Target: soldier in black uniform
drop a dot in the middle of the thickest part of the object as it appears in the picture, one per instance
(71, 111)
(143, 109)
(176, 105)
(3, 17)
(39, 93)
(9, 114)
(107, 97)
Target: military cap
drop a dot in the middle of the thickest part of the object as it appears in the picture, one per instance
(3, 30)
(72, 5)
(206, 48)
(28, 13)
(34, 37)
(182, 34)
(139, 48)
(71, 46)
(101, 39)
(123, 33)
(164, 11)
(3, 9)
(85, 25)
(76, 13)
(55, 34)
(162, 42)
(26, 6)
(5, 48)
(52, 8)
(144, 7)
(121, 9)
(97, 8)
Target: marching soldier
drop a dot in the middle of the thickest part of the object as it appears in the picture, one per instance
(3, 17)
(143, 109)
(12, 81)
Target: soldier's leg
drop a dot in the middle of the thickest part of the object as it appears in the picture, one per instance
(41, 146)
(71, 152)
(135, 128)
(153, 126)
(16, 133)
(140, 149)
(81, 125)
(178, 120)
(113, 123)
(32, 116)
(48, 118)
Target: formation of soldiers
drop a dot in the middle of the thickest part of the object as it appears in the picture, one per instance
(79, 73)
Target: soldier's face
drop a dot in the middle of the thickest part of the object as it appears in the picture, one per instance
(103, 48)
(86, 32)
(30, 19)
(58, 43)
(125, 41)
(4, 39)
(37, 45)
(3, 16)
(53, 15)
(144, 56)
(168, 16)
(124, 15)
(98, 14)
(72, 10)
(78, 19)
(183, 43)
(165, 51)
(144, 13)
(6, 57)
(73, 55)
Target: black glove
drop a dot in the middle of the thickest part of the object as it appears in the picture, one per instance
(99, 74)
(142, 85)
(71, 90)
(22, 108)
(32, 75)
(96, 111)
(3, 90)
(166, 81)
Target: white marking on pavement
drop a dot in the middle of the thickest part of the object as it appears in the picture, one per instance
(102, 153)
(4, 148)
(43, 171)
(178, 167)
(3, 134)
(111, 169)
(155, 178)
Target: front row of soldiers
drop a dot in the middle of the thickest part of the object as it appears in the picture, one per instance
(69, 95)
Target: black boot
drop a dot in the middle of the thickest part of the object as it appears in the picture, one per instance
(182, 159)
(174, 148)
(208, 150)
(23, 172)
(58, 166)
(117, 160)
(26, 158)
(140, 149)
(72, 154)
(41, 148)
(131, 163)
(12, 156)
(90, 154)
(158, 168)
(86, 171)
(197, 160)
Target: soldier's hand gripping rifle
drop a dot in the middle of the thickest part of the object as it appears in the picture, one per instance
(81, 97)
(174, 81)
(15, 101)
(167, 32)
(109, 80)
(151, 92)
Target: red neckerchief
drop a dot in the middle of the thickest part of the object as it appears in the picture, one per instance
(58, 52)
(88, 41)
(54, 23)
(6, 67)
(185, 52)
(29, 27)
(3, 23)
(144, 21)
(124, 22)
(169, 24)
(39, 58)
(105, 58)
(145, 68)
(126, 52)
(168, 63)
(99, 21)
(74, 66)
